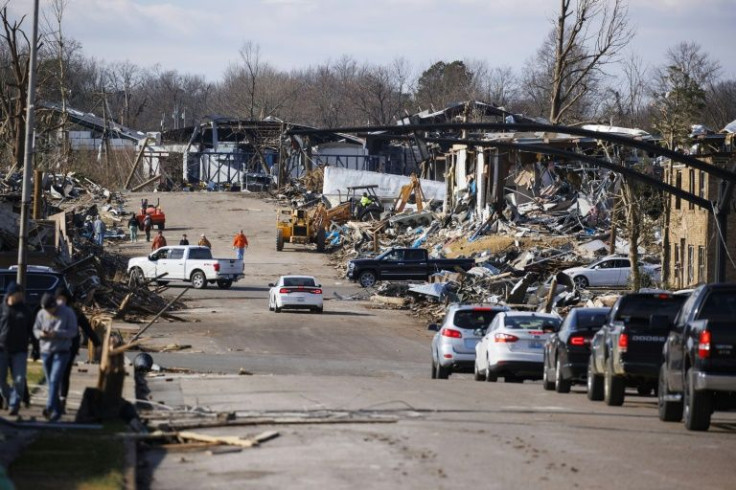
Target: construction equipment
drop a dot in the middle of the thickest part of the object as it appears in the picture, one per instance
(365, 204)
(297, 226)
(413, 187)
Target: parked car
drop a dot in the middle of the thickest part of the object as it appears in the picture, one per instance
(453, 346)
(513, 346)
(401, 263)
(186, 263)
(295, 292)
(698, 372)
(566, 352)
(39, 280)
(627, 350)
(613, 271)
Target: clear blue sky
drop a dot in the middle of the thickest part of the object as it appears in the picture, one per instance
(203, 36)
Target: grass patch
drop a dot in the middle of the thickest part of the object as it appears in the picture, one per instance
(82, 460)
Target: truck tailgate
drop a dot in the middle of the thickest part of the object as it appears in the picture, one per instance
(722, 355)
(230, 266)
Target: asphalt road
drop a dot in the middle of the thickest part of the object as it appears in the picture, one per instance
(355, 360)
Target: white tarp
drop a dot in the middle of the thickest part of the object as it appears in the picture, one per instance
(337, 180)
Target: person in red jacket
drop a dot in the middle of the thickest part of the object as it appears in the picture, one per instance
(240, 243)
(159, 241)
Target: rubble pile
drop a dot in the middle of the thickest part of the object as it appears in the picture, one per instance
(518, 251)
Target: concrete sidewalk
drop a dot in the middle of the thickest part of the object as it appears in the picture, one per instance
(18, 431)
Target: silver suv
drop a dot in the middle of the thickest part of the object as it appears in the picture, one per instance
(453, 346)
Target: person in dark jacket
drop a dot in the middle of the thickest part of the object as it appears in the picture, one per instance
(184, 240)
(64, 297)
(16, 331)
(133, 228)
(147, 226)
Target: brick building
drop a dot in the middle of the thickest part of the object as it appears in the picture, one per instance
(693, 234)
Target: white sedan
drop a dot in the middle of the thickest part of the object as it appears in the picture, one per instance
(295, 292)
(513, 346)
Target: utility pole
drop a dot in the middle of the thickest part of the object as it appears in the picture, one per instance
(28, 161)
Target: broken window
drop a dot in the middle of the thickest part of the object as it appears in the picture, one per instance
(701, 184)
(701, 265)
(690, 269)
(676, 253)
(691, 188)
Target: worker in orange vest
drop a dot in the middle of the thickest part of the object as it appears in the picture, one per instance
(159, 241)
(240, 243)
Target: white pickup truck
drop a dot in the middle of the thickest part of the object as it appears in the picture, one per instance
(186, 263)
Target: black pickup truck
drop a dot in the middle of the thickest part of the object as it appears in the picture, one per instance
(627, 350)
(698, 372)
(401, 263)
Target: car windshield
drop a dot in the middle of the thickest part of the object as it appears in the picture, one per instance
(530, 322)
(638, 309)
(720, 305)
(299, 281)
(472, 319)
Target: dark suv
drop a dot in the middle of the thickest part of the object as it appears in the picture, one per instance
(39, 280)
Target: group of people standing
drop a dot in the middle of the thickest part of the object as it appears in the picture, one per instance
(54, 333)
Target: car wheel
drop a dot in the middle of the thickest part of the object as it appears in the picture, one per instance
(321, 235)
(547, 385)
(320, 309)
(562, 385)
(491, 377)
(279, 240)
(199, 281)
(581, 282)
(613, 387)
(595, 383)
(224, 283)
(434, 369)
(669, 411)
(698, 405)
(270, 305)
(367, 279)
(477, 375)
(162, 226)
(442, 372)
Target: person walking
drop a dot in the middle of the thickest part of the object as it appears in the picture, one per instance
(16, 331)
(65, 298)
(148, 226)
(159, 241)
(133, 227)
(99, 229)
(203, 242)
(240, 243)
(184, 240)
(55, 327)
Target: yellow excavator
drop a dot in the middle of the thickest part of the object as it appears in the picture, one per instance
(413, 187)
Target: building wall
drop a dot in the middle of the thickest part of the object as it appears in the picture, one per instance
(692, 233)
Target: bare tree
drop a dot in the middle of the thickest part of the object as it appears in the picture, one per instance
(588, 36)
(15, 61)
